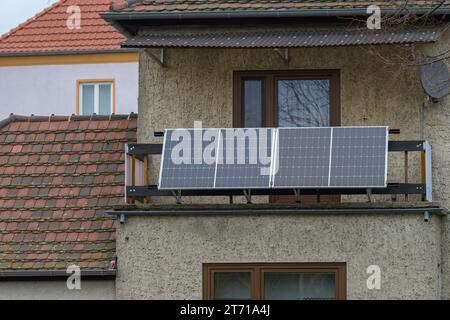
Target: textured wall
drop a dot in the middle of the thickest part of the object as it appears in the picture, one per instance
(437, 131)
(161, 257)
(197, 85)
(56, 290)
(46, 90)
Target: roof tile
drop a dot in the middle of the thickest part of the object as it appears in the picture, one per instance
(52, 202)
(268, 5)
(48, 31)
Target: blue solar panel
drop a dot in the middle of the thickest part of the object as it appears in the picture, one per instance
(182, 163)
(244, 168)
(304, 157)
(322, 157)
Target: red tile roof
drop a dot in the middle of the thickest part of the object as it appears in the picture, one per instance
(230, 5)
(48, 31)
(58, 175)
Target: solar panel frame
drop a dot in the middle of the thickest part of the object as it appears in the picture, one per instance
(366, 186)
(248, 186)
(163, 158)
(350, 186)
(274, 157)
(282, 157)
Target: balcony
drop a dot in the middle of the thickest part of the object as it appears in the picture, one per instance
(140, 190)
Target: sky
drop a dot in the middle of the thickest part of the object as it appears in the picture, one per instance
(14, 12)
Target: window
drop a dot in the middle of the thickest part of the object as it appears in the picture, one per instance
(307, 98)
(95, 96)
(277, 281)
(292, 98)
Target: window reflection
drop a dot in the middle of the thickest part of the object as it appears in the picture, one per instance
(252, 96)
(299, 286)
(232, 285)
(303, 103)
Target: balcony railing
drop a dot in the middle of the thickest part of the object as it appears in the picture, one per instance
(138, 188)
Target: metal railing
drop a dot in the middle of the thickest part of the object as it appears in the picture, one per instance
(138, 188)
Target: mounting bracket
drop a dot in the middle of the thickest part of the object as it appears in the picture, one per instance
(284, 54)
(297, 195)
(160, 59)
(369, 195)
(248, 196)
(177, 195)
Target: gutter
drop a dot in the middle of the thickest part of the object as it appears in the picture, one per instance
(245, 14)
(275, 211)
(54, 275)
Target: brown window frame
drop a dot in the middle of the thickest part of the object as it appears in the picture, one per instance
(257, 275)
(269, 97)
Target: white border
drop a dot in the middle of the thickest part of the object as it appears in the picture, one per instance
(219, 135)
(162, 158)
(331, 156)
(386, 158)
(428, 172)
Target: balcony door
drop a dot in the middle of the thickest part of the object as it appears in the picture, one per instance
(299, 98)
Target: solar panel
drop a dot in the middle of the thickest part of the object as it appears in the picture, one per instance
(304, 157)
(182, 162)
(322, 157)
(358, 157)
(338, 157)
(241, 164)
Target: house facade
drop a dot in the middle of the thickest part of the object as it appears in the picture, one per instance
(231, 64)
(67, 60)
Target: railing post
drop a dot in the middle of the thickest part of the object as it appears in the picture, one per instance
(133, 173)
(146, 182)
(423, 171)
(406, 168)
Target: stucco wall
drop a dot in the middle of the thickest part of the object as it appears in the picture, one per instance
(197, 85)
(56, 290)
(437, 131)
(161, 257)
(51, 89)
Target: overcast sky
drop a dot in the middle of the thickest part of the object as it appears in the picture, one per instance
(14, 12)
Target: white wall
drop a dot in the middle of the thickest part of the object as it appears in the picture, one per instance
(57, 290)
(51, 89)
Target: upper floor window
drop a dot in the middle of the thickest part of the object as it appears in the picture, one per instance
(290, 98)
(96, 96)
(304, 98)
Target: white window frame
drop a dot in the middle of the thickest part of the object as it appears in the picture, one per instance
(96, 84)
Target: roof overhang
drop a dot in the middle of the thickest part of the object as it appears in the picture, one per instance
(129, 23)
(54, 275)
(291, 39)
(299, 13)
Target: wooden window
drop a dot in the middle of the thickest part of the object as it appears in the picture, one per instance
(275, 281)
(293, 98)
(96, 96)
(298, 98)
